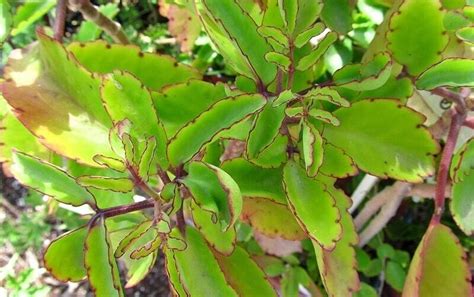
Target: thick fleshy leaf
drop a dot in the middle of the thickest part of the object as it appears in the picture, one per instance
(271, 218)
(313, 152)
(324, 116)
(112, 163)
(123, 185)
(222, 115)
(14, 136)
(145, 165)
(415, 41)
(337, 163)
(49, 180)
(364, 77)
(58, 101)
(255, 181)
(323, 45)
(338, 267)
(132, 237)
(280, 60)
(392, 144)
(154, 71)
(305, 37)
(313, 206)
(196, 270)
(64, 257)
(222, 241)
(275, 34)
(327, 94)
(463, 162)
(176, 286)
(215, 191)
(100, 263)
(308, 12)
(265, 129)
(191, 99)
(448, 73)
(438, 258)
(235, 34)
(275, 154)
(462, 204)
(244, 275)
(466, 34)
(125, 98)
(337, 15)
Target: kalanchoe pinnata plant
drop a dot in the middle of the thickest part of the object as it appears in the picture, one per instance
(93, 124)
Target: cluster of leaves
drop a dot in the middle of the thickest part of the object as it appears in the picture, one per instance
(92, 124)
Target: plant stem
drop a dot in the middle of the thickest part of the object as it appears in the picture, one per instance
(91, 13)
(445, 163)
(122, 209)
(60, 21)
(454, 97)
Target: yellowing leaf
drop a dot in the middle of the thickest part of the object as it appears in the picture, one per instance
(438, 267)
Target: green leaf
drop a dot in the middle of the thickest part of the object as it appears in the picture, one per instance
(271, 218)
(305, 36)
(462, 204)
(453, 4)
(311, 59)
(337, 15)
(215, 191)
(385, 251)
(189, 265)
(223, 242)
(395, 275)
(100, 263)
(191, 99)
(278, 59)
(176, 285)
(392, 144)
(275, 154)
(64, 257)
(308, 12)
(112, 163)
(338, 267)
(417, 42)
(15, 136)
(366, 291)
(337, 163)
(439, 257)
(454, 20)
(463, 162)
(145, 166)
(102, 58)
(466, 34)
(327, 94)
(255, 181)
(29, 13)
(324, 116)
(365, 77)
(244, 275)
(6, 19)
(222, 115)
(123, 185)
(265, 129)
(49, 180)
(283, 98)
(132, 237)
(312, 149)
(274, 33)
(235, 35)
(312, 205)
(448, 73)
(125, 98)
(174, 243)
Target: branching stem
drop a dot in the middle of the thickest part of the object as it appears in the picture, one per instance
(60, 21)
(91, 13)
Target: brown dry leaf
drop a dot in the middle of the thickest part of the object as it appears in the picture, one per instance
(277, 246)
(183, 24)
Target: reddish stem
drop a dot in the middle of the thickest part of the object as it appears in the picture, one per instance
(445, 163)
(60, 21)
